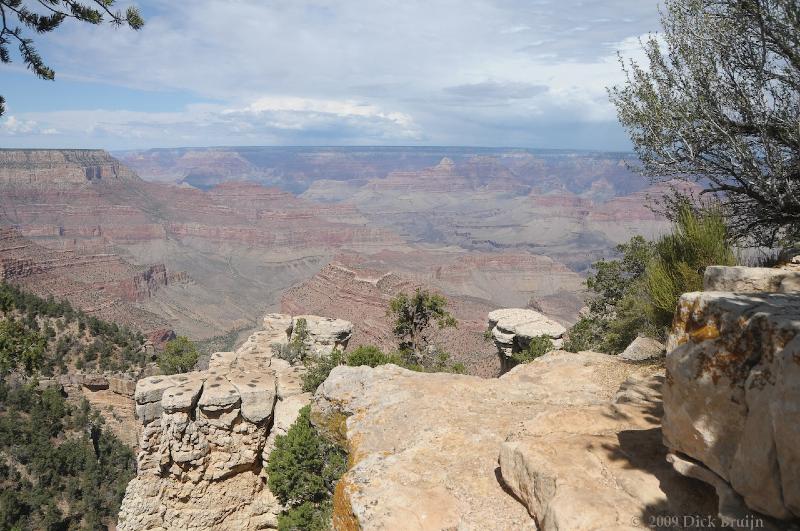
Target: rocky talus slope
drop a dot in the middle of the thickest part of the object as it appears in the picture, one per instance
(206, 435)
(568, 442)
(732, 396)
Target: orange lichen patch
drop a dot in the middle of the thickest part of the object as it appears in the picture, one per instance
(333, 426)
(343, 517)
(705, 333)
(354, 455)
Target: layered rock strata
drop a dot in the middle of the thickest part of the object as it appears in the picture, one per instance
(512, 330)
(206, 435)
(576, 438)
(732, 399)
(740, 279)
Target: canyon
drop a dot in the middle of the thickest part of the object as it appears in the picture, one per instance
(212, 239)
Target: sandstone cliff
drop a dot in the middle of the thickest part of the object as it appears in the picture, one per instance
(206, 435)
(49, 167)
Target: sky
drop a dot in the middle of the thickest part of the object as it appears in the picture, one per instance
(510, 73)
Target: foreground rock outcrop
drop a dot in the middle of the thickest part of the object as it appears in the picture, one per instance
(732, 397)
(205, 435)
(569, 441)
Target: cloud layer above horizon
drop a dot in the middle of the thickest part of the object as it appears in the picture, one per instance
(295, 72)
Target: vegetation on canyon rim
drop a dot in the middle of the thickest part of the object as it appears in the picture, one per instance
(49, 336)
(180, 355)
(303, 469)
(60, 468)
(637, 294)
(718, 104)
(413, 316)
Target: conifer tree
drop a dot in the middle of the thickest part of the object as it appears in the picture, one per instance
(21, 17)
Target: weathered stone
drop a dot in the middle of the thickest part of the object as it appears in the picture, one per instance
(643, 348)
(95, 382)
(325, 334)
(424, 447)
(150, 389)
(148, 412)
(182, 396)
(218, 393)
(122, 386)
(732, 397)
(278, 328)
(513, 328)
(257, 391)
(204, 440)
(741, 279)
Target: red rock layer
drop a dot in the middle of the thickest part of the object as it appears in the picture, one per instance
(100, 284)
(362, 296)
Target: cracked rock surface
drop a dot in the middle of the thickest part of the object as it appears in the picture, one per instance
(205, 436)
(732, 397)
(568, 442)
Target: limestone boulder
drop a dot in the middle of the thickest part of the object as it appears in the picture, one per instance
(740, 279)
(732, 398)
(277, 328)
(513, 328)
(548, 442)
(325, 334)
(95, 382)
(643, 348)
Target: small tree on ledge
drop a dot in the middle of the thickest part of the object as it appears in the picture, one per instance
(179, 355)
(413, 317)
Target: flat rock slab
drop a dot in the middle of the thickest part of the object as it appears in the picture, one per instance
(150, 389)
(524, 322)
(218, 393)
(424, 448)
(182, 396)
(740, 279)
(257, 391)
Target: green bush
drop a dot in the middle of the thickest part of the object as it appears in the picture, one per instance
(20, 346)
(413, 315)
(539, 346)
(302, 470)
(317, 370)
(368, 355)
(306, 517)
(637, 294)
(60, 469)
(586, 334)
(698, 240)
(179, 355)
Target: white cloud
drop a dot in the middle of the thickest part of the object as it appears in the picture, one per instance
(335, 71)
(15, 126)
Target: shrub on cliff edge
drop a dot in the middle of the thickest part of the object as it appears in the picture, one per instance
(303, 469)
(699, 239)
(179, 355)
